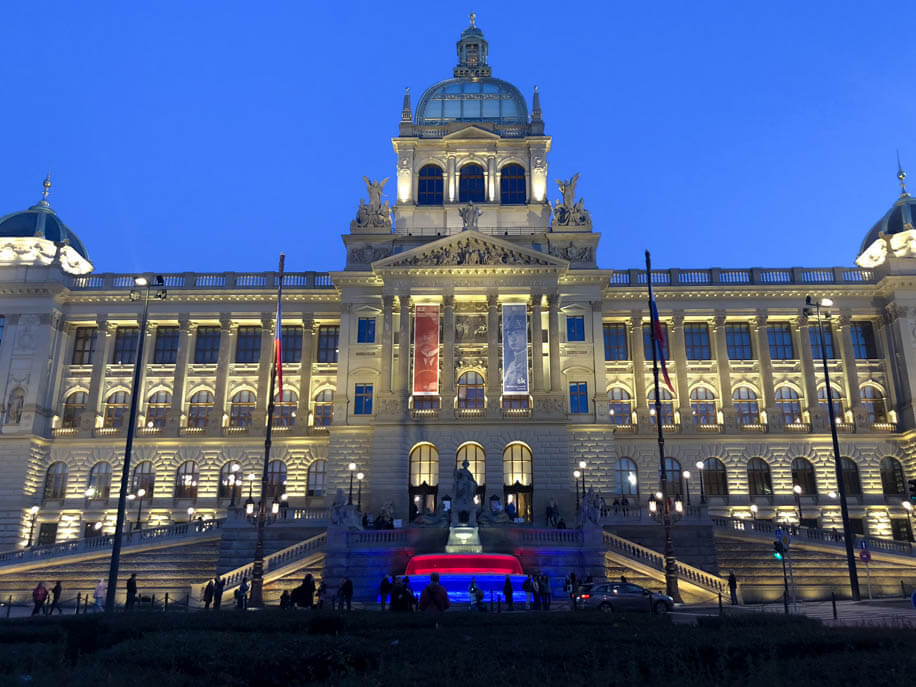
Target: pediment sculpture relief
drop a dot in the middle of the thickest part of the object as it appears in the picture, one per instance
(468, 252)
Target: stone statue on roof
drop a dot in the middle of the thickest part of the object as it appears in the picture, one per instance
(470, 213)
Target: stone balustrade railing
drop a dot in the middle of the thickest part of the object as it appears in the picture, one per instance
(377, 537)
(764, 529)
(223, 280)
(548, 537)
(317, 515)
(182, 530)
(716, 276)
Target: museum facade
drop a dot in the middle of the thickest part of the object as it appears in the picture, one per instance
(470, 322)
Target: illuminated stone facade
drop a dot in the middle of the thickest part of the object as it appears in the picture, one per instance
(741, 359)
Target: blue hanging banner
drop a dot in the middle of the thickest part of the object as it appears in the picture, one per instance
(515, 348)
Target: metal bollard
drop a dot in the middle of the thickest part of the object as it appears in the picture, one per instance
(166, 607)
(833, 602)
(9, 605)
(902, 589)
(79, 596)
(720, 604)
(187, 601)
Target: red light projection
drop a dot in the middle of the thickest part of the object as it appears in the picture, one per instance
(460, 563)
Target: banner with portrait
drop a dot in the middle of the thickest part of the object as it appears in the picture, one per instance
(426, 350)
(515, 348)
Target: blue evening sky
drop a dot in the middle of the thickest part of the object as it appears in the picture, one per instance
(206, 136)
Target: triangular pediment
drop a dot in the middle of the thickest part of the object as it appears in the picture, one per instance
(470, 249)
(471, 132)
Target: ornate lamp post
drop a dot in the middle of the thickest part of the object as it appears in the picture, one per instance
(687, 485)
(754, 511)
(359, 490)
(249, 502)
(234, 482)
(700, 467)
(33, 511)
(797, 490)
(812, 306)
(352, 468)
(159, 293)
(582, 466)
(908, 507)
(577, 475)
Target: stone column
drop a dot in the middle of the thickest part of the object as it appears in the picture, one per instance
(492, 189)
(259, 418)
(309, 330)
(148, 344)
(898, 344)
(447, 383)
(774, 420)
(402, 382)
(181, 370)
(640, 368)
(60, 360)
(842, 337)
(537, 346)
(599, 395)
(723, 367)
(103, 344)
(451, 180)
(342, 395)
(227, 332)
(494, 383)
(819, 419)
(553, 341)
(387, 342)
(888, 352)
(677, 350)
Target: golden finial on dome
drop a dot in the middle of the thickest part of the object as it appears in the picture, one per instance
(47, 187)
(901, 175)
(473, 17)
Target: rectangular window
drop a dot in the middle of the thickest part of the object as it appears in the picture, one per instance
(125, 346)
(647, 341)
(84, 345)
(166, 349)
(815, 335)
(291, 344)
(206, 348)
(696, 338)
(738, 341)
(575, 328)
(2, 326)
(863, 341)
(328, 336)
(365, 332)
(779, 337)
(578, 397)
(615, 342)
(363, 404)
(248, 345)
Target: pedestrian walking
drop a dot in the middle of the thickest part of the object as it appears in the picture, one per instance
(208, 595)
(285, 601)
(218, 587)
(346, 594)
(131, 592)
(733, 587)
(544, 586)
(384, 589)
(308, 591)
(526, 587)
(101, 589)
(241, 595)
(56, 591)
(536, 591)
(507, 592)
(39, 594)
(434, 598)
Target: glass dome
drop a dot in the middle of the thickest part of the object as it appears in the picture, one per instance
(40, 221)
(472, 100)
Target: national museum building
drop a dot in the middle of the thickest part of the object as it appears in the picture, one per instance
(469, 322)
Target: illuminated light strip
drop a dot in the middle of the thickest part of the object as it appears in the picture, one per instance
(464, 563)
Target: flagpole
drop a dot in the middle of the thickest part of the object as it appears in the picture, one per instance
(671, 586)
(257, 573)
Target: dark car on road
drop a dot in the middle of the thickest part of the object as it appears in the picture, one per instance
(611, 597)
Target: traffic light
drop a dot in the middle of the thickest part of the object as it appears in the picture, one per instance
(778, 550)
(912, 484)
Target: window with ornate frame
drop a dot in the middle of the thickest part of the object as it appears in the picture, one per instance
(74, 406)
(471, 187)
(429, 185)
(56, 481)
(471, 390)
(715, 477)
(125, 346)
(199, 408)
(99, 486)
(285, 405)
(874, 404)
(116, 408)
(206, 347)
(423, 480)
(241, 408)
(512, 185)
(759, 482)
(621, 410)
(746, 405)
(315, 478)
(248, 345)
(518, 488)
(157, 408)
(893, 482)
(186, 479)
(788, 404)
(276, 479)
(324, 408)
(803, 475)
(703, 406)
(627, 477)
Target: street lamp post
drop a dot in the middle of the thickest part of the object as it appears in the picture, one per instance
(582, 466)
(352, 468)
(233, 480)
(815, 306)
(249, 502)
(700, 467)
(797, 490)
(754, 511)
(687, 485)
(159, 293)
(359, 491)
(577, 475)
(33, 511)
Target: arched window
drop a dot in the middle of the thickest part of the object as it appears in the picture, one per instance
(240, 409)
(144, 478)
(627, 477)
(837, 401)
(56, 481)
(156, 409)
(315, 479)
(14, 408)
(116, 409)
(788, 405)
(703, 406)
(850, 476)
(715, 477)
(674, 478)
(199, 409)
(99, 486)
(746, 406)
(73, 409)
(758, 478)
(804, 476)
(470, 390)
(471, 185)
(873, 402)
(518, 487)
(230, 481)
(186, 480)
(621, 410)
(477, 461)
(429, 185)
(285, 408)
(512, 185)
(324, 408)
(423, 484)
(276, 479)
(667, 402)
(892, 480)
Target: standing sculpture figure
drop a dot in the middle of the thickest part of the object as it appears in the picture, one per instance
(568, 189)
(465, 489)
(469, 216)
(374, 189)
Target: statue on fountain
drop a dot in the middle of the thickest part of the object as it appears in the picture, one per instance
(343, 514)
(464, 510)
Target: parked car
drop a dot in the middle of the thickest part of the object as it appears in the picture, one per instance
(610, 597)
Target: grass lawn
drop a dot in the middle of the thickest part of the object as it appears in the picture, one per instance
(369, 648)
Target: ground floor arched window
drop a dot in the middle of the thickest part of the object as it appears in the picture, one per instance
(518, 488)
(423, 488)
(477, 461)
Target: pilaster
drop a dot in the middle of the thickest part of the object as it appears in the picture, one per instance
(537, 346)
(601, 403)
(766, 369)
(818, 415)
(678, 353)
(309, 330)
(227, 333)
(494, 383)
(447, 383)
(553, 341)
(103, 343)
(181, 371)
(722, 366)
(638, 354)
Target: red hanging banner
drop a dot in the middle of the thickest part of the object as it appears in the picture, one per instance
(426, 350)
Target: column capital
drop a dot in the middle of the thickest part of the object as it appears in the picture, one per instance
(225, 322)
(267, 319)
(448, 300)
(677, 319)
(844, 319)
(387, 300)
(597, 306)
(553, 301)
(719, 320)
(536, 299)
(184, 322)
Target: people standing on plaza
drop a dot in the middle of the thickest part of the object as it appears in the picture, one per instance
(101, 589)
(572, 589)
(241, 595)
(208, 595)
(527, 588)
(218, 587)
(56, 591)
(345, 594)
(320, 594)
(285, 601)
(308, 591)
(131, 592)
(733, 587)
(507, 592)
(434, 598)
(384, 590)
(544, 586)
(623, 578)
(400, 600)
(39, 594)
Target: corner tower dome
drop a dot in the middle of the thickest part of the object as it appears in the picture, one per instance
(894, 234)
